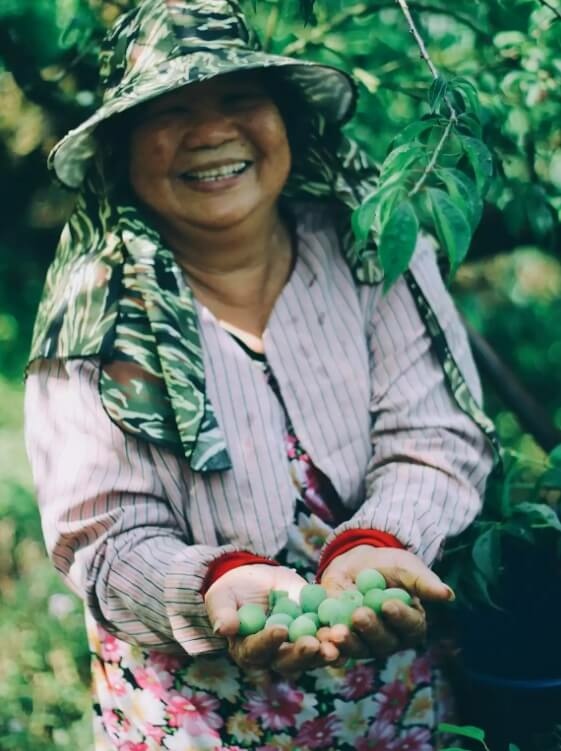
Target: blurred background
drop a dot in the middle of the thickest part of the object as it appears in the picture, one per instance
(509, 289)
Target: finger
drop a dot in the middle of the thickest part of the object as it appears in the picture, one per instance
(258, 650)
(420, 581)
(293, 659)
(408, 623)
(348, 642)
(323, 633)
(328, 653)
(379, 639)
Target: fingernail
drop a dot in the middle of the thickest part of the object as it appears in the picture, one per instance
(451, 594)
(217, 626)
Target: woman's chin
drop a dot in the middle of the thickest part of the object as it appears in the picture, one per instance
(219, 210)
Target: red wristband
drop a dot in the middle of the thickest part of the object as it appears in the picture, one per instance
(229, 561)
(350, 539)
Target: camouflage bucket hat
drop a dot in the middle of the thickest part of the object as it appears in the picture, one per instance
(162, 45)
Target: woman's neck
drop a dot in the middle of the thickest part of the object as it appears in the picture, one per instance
(237, 273)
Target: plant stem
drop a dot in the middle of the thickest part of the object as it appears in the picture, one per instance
(418, 38)
(434, 158)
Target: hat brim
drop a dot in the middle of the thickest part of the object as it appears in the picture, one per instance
(329, 90)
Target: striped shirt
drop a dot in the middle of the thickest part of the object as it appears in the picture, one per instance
(132, 529)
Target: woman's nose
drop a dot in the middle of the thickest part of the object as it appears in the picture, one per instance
(209, 130)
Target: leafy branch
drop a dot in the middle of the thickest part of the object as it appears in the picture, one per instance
(435, 176)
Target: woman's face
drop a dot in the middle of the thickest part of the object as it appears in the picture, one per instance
(210, 154)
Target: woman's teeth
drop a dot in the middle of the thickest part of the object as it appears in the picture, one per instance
(218, 173)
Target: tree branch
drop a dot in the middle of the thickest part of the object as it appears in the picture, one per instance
(434, 158)
(418, 38)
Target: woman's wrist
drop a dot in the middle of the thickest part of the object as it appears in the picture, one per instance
(229, 561)
(352, 538)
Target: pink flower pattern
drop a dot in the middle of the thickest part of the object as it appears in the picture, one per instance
(276, 706)
(359, 681)
(392, 700)
(318, 733)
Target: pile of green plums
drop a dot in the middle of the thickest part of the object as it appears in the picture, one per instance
(315, 609)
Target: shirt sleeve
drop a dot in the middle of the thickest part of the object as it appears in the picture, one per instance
(109, 528)
(430, 461)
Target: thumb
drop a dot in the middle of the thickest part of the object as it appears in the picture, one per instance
(420, 581)
(222, 610)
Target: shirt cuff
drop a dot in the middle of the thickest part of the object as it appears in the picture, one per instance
(350, 539)
(229, 561)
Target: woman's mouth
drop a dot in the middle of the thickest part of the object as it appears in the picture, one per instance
(217, 174)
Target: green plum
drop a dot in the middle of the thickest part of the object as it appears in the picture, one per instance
(252, 619)
(329, 610)
(396, 593)
(314, 617)
(352, 595)
(279, 619)
(311, 597)
(301, 626)
(373, 599)
(345, 614)
(369, 579)
(275, 595)
(288, 606)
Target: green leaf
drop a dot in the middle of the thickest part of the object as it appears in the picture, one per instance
(464, 193)
(539, 515)
(437, 93)
(412, 132)
(466, 731)
(486, 554)
(452, 227)
(555, 456)
(364, 217)
(469, 94)
(398, 241)
(481, 162)
(520, 531)
(401, 158)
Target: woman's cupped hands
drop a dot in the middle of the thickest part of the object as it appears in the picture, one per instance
(398, 626)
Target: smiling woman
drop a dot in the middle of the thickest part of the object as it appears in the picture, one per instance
(221, 402)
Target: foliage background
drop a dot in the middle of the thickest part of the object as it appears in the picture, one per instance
(509, 289)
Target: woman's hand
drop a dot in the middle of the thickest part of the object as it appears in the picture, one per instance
(399, 626)
(268, 649)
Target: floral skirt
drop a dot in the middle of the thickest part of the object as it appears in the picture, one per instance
(148, 700)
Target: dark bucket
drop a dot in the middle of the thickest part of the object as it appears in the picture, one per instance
(527, 713)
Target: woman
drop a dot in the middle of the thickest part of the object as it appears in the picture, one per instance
(220, 402)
